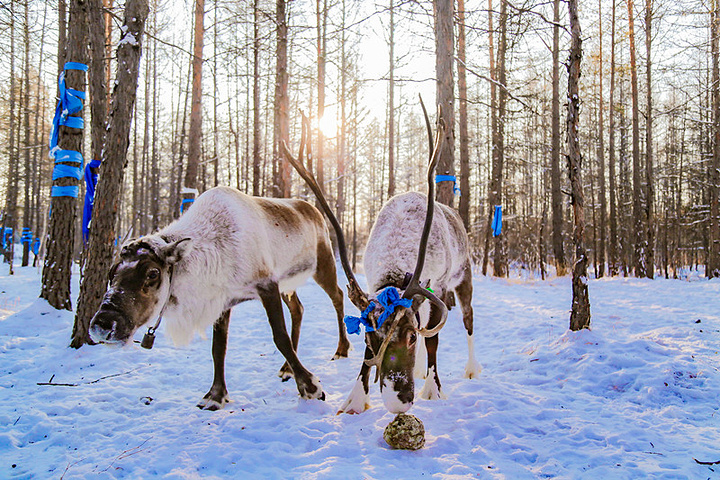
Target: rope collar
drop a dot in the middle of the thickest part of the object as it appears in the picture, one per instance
(149, 337)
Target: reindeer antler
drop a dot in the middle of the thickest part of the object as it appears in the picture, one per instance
(414, 287)
(357, 296)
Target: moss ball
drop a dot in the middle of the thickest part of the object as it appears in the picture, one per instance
(405, 432)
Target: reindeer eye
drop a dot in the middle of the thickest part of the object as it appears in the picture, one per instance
(153, 274)
(412, 338)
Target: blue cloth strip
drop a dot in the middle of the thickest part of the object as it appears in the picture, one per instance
(389, 299)
(448, 178)
(36, 246)
(76, 66)
(66, 171)
(497, 221)
(73, 122)
(70, 191)
(68, 156)
(90, 184)
(184, 202)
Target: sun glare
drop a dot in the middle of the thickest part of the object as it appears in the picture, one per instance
(328, 124)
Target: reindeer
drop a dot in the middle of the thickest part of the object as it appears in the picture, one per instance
(227, 249)
(393, 324)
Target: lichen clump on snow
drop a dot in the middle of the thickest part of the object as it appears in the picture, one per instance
(405, 432)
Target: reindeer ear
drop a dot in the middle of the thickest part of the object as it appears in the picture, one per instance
(175, 251)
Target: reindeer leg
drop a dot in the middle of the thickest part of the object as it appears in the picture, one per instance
(308, 385)
(326, 277)
(464, 294)
(296, 312)
(431, 390)
(359, 399)
(217, 397)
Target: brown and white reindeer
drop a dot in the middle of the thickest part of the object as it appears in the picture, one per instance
(226, 249)
(411, 233)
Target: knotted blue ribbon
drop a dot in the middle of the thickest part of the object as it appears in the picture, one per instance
(27, 236)
(186, 201)
(7, 238)
(90, 184)
(70, 101)
(448, 178)
(36, 246)
(389, 299)
(497, 221)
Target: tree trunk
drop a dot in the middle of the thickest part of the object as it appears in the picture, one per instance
(613, 243)
(445, 94)
(600, 265)
(580, 314)
(112, 170)
(555, 191)
(322, 14)
(27, 212)
(496, 184)
(493, 134)
(639, 237)
(281, 123)
(9, 220)
(256, 99)
(714, 253)
(57, 269)
(391, 106)
(195, 134)
(649, 180)
(464, 207)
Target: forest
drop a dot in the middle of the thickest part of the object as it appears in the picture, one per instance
(185, 95)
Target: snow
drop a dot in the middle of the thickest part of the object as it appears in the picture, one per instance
(635, 397)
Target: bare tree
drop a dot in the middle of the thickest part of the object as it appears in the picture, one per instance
(649, 180)
(391, 105)
(556, 193)
(613, 240)
(281, 123)
(600, 264)
(639, 237)
(464, 207)
(580, 313)
(714, 253)
(57, 269)
(195, 134)
(112, 170)
(444, 60)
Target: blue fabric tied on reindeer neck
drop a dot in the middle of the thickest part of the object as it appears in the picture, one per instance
(389, 299)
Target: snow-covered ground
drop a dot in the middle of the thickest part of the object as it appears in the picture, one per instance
(635, 397)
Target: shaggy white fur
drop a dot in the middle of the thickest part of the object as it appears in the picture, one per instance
(236, 243)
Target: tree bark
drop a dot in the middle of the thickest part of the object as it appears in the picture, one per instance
(496, 184)
(445, 94)
(391, 106)
(613, 240)
(580, 313)
(493, 129)
(464, 208)
(256, 99)
(649, 180)
(639, 237)
(195, 134)
(600, 265)
(27, 212)
(112, 170)
(714, 253)
(555, 191)
(281, 123)
(57, 269)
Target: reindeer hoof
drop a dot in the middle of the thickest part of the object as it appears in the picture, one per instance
(357, 402)
(342, 351)
(213, 400)
(285, 373)
(311, 390)
(472, 370)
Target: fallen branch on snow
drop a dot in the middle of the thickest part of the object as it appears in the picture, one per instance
(50, 382)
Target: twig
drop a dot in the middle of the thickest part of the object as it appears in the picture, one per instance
(50, 382)
(127, 453)
(706, 463)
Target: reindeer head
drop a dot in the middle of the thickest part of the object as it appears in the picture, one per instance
(139, 288)
(390, 316)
